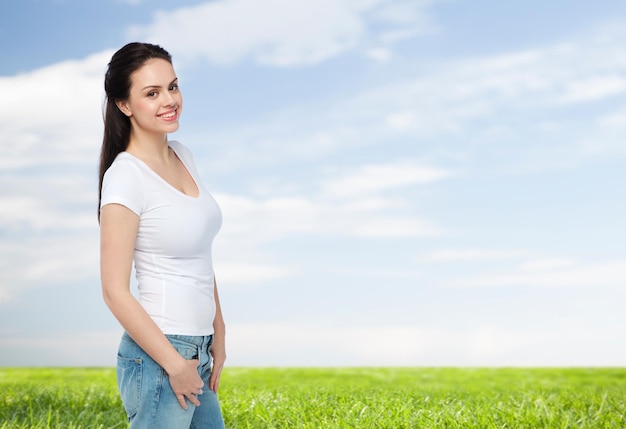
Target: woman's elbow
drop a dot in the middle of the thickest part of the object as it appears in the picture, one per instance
(112, 298)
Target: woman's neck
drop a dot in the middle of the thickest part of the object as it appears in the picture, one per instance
(149, 147)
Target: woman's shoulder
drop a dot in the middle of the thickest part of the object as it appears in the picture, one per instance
(123, 165)
(124, 183)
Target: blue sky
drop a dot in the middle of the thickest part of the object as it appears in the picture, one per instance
(425, 182)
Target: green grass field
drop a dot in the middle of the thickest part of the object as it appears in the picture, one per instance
(317, 398)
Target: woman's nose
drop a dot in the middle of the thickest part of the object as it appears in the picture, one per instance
(168, 99)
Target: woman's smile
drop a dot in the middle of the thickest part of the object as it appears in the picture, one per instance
(171, 115)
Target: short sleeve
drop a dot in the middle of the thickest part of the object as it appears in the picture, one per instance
(123, 184)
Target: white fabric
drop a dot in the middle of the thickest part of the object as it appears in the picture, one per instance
(173, 259)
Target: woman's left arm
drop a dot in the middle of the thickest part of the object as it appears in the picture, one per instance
(218, 349)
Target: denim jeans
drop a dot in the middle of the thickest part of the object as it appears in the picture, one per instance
(147, 395)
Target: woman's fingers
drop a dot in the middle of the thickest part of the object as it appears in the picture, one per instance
(187, 384)
(214, 381)
(182, 401)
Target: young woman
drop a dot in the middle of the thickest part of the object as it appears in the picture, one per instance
(154, 211)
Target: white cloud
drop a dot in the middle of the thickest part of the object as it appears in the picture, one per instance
(53, 114)
(483, 113)
(298, 344)
(90, 348)
(547, 264)
(30, 202)
(375, 178)
(353, 202)
(470, 254)
(280, 32)
(255, 220)
(5, 294)
(606, 274)
(248, 274)
(47, 259)
(397, 227)
(614, 119)
(273, 344)
(510, 112)
(593, 88)
(52, 117)
(51, 120)
(381, 55)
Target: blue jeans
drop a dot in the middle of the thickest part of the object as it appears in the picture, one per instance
(147, 395)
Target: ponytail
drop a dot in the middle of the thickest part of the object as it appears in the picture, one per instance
(117, 84)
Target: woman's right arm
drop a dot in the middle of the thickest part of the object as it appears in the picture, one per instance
(118, 232)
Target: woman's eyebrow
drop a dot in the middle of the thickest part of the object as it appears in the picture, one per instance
(158, 86)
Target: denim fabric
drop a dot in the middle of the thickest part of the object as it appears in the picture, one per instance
(146, 393)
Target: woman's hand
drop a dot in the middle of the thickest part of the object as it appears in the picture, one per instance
(218, 352)
(186, 382)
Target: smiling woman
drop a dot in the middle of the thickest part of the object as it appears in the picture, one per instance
(155, 102)
(373, 175)
(155, 212)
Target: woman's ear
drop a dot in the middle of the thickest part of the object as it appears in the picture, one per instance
(123, 106)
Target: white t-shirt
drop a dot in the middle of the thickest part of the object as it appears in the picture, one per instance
(173, 259)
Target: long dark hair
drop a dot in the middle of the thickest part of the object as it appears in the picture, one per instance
(117, 81)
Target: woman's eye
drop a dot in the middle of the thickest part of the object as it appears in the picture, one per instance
(152, 93)
(174, 87)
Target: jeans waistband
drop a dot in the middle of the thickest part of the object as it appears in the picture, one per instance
(198, 340)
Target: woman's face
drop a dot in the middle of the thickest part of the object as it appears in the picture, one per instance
(155, 102)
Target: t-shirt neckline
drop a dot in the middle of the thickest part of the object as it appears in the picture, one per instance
(155, 174)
